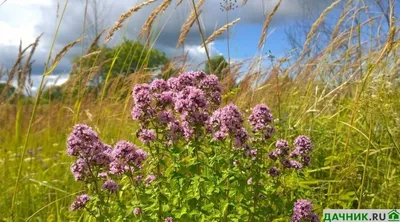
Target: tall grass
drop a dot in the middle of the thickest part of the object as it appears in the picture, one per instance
(344, 96)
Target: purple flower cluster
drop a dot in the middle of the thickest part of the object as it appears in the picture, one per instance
(210, 84)
(303, 146)
(282, 149)
(181, 104)
(288, 160)
(84, 143)
(146, 135)
(142, 98)
(302, 211)
(191, 103)
(110, 186)
(190, 100)
(165, 98)
(228, 122)
(80, 169)
(159, 86)
(287, 163)
(80, 202)
(126, 156)
(97, 159)
(260, 120)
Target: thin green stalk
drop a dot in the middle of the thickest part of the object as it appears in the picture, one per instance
(333, 153)
(91, 212)
(256, 191)
(198, 172)
(228, 182)
(156, 158)
(228, 43)
(202, 36)
(365, 165)
(278, 96)
(47, 205)
(24, 149)
(150, 47)
(78, 103)
(96, 188)
(33, 115)
(160, 208)
(355, 97)
(18, 122)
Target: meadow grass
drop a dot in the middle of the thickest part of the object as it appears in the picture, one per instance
(346, 100)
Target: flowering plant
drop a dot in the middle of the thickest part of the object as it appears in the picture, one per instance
(198, 161)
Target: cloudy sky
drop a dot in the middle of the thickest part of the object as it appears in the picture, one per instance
(24, 20)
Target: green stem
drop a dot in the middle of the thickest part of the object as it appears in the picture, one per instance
(202, 36)
(228, 42)
(159, 186)
(256, 176)
(228, 183)
(365, 165)
(157, 158)
(198, 172)
(33, 117)
(91, 212)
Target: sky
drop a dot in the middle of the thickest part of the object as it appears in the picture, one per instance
(24, 20)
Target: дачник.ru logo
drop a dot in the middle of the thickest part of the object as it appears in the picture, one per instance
(362, 215)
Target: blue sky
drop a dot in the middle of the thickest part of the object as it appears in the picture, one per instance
(244, 41)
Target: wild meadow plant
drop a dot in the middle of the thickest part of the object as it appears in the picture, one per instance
(198, 161)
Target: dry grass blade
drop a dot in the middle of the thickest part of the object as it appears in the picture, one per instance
(149, 22)
(390, 42)
(90, 54)
(18, 61)
(220, 31)
(26, 71)
(188, 24)
(178, 3)
(343, 15)
(122, 19)
(61, 54)
(266, 25)
(95, 41)
(316, 24)
(35, 44)
(17, 70)
(244, 2)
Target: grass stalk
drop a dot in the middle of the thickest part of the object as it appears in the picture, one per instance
(33, 117)
(363, 180)
(203, 39)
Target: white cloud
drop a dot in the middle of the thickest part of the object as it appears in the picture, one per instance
(198, 54)
(18, 19)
